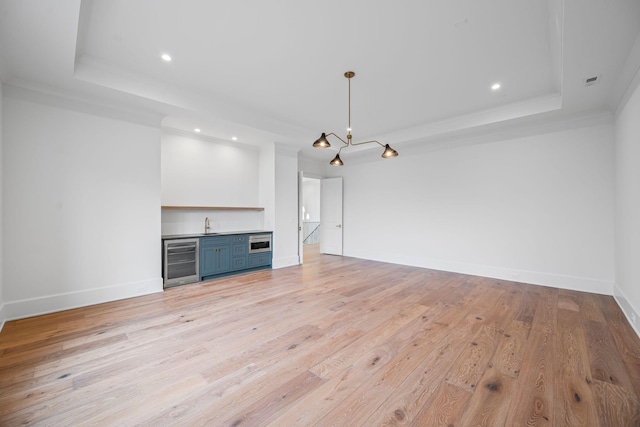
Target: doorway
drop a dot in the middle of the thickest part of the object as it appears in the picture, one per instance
(320, 216)
(310, 217)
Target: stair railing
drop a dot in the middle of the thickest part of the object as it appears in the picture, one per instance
(311, 232)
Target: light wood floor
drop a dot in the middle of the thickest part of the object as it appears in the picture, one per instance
(338, 341)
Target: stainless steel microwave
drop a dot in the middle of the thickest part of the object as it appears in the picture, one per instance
(259, 243)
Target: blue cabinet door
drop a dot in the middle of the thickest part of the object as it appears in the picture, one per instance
(259, 259)
(215, 255)
(224, 259)
(208, 260)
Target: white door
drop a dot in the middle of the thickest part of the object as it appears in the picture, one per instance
(331, 216)
(300, 218)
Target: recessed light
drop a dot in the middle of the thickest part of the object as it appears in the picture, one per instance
(197, 130)
(495, 86)
(235, 138)
(166, 57)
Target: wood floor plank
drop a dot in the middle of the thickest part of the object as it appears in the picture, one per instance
(605, 361)
(137, 411)
(269, 406)
(527, 307)
(339, 360)
(239, 383)
(405, 370)
(414, 395)
(384, 369)
(508, 356)
(445, 409)
(624, 338)
(532, 403)
(416, 388)
(575, 403)
(489, 404)
(615, 405)
(338, 388)
(569, 300)
(473, 360)
(590, 308)
(337, 341)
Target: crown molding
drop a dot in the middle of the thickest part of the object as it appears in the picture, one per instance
(54, 98)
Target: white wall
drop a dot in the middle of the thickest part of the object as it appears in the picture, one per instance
(3, 314)
(285, 238)
(536, 209)
(314, 168)
(311, 199)
(191, 221)
(202, 172)
(267, 184)
(627, 159)
(81, 208)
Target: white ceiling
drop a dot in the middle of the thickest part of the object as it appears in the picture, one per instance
(273, 71)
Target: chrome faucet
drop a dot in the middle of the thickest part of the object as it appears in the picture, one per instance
(207, 225)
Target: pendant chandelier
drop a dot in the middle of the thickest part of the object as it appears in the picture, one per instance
(322, 142)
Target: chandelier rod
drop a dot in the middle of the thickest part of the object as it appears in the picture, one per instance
(349, 75)
(349, 78)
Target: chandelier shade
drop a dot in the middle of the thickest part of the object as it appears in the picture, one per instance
(323, 142)
(389, 152)
(336, 161)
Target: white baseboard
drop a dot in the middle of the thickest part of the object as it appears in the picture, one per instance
(574, 283)
(59, 302)
(285, 261)
(3, 316)
(583, 284)
(630, 313)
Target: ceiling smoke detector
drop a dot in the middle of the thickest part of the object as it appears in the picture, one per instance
(590, 81)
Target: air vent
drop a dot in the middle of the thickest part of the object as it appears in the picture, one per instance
(461, 23)
(590, 81)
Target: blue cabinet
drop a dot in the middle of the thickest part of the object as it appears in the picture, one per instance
(215, 255)
(239, 244)
(229, 254)
(260, 259)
